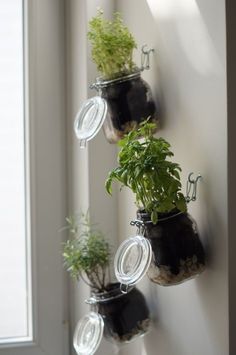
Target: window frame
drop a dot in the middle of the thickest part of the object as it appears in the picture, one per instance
(45, 138)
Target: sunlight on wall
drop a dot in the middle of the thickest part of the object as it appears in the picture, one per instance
(191, 31)
(167, 8)
(143, 351)
(161, 9)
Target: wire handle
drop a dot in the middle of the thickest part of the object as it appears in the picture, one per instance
(191, 187)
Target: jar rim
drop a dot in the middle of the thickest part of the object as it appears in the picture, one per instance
(101, 83)
(90, 119)
(114, 293)
(132, 260)
(88, 333)
(145, 217)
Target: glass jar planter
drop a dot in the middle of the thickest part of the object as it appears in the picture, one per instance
(125, 315)
(123, 103)
(178, 254)
(169, 252)
(129, 102)
(120, 317)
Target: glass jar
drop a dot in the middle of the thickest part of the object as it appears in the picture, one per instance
(125, 315)
(177, 249)
(119, 316)
(175, 246)
(121, 105)
(129, 102)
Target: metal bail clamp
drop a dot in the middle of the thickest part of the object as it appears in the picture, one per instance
(140, 226)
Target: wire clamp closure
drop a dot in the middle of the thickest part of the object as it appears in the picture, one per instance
(191, 187)
(140, 226)
(91, 301)
(124, 288)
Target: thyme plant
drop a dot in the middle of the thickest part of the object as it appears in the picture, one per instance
(112, 46)
(145, 168)
(86, 254)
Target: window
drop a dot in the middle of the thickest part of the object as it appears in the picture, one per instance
(33, 316)
(15, 295)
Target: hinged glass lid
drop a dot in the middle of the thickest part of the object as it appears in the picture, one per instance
(88, 334)
(89, 119)
(132, 260)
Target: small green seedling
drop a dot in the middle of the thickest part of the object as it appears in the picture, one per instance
(112, 46)
(86, 253)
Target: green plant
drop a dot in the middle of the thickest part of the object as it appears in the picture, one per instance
(112, 45)
(87, 254)
(144, 168)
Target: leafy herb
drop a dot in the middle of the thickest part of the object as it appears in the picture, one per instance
(112, 45)
(145, 168)
(87, 254)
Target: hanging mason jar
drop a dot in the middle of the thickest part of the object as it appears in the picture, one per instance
(123, 103)
(170, 252)
(120, 317)
(129, 102)
(125, 315)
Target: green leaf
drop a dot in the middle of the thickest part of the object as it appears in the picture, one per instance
(146, 168)
(124, 178)
(108, 186)
(112, 45)
(176, 174)
(181, 203)
(154, 217)
(88, 253)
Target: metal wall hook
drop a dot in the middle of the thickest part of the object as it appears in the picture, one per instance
(191, 187)
(145, 57)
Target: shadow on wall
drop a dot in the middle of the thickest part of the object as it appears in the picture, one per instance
(199, 294)
(159, 337)
(192, 317)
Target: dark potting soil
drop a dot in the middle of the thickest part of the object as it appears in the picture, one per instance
(125, 316)
(128, 102)
(174, 240)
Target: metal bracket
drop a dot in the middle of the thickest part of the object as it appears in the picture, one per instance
(191, 187)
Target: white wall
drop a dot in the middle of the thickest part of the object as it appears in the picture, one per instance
(188, 74)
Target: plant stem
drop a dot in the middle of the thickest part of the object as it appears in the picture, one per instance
(96, 271)
(85, 281)
(92, 280)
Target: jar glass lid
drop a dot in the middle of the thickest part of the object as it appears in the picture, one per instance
(132, 260)
(89, 119)
(88, 334)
